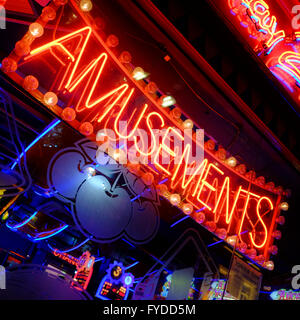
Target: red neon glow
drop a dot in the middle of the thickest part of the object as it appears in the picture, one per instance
(276, 47)
(267, 23)
(258, 207)
(205, 185)
(66, 257)
(290, 62)
(149, 125)
(228, 216)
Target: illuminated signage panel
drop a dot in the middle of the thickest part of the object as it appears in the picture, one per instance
(82, 80)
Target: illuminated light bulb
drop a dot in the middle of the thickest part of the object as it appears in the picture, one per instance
(50, 98)
(60, 2)
(148, 178)
(273, 250)
(9, 65)
(128, 280)
(251, 253)
(242, 247)
(162, 189)
(250, 175)
(138, 73)
(284, 206)
(210, 226)
(200, 217)
(125, 57)
(210, 145)
(241, 169)
(276, 234)
(270, 186)
(280, 220)
(86, 5)
(221, 154)
(30, 83)
(260, 181)
(187, 208)
(22, 48)
(269, 265)
(112, 41)
(86, 128)
(151, 87)
(36, 30)
(231, 162)
(188, 124)
(90, 171)
(221, 233)
(48, 14)
(175, 199)
(231, 240)
(166, 101)
(176, 113)
(68, 114)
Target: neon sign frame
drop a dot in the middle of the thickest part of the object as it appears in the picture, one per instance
(226, 207)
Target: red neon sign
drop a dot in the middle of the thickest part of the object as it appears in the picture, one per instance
(66, 257)
(276, 48)
(89, 78)
(84, 270)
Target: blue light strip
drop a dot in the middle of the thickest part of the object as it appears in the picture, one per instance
(135, 198)
(287, 71)
(74, 248)
(22, 223)
(159, 261)
(280, 78)
(100, 259)
(46, 130)
(139, 195)
(52, 234)
(174, 224)
(200, 209)
(163, 181)
(274, 45)
(133, 246)
(132, 265)
(214, 243)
